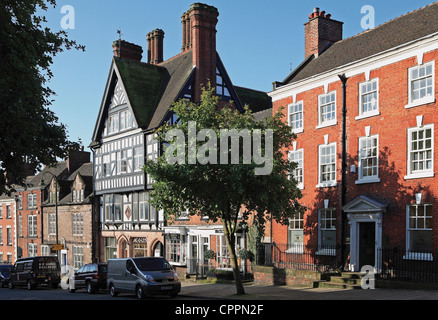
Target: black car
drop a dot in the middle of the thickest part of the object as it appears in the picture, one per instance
(35, 271)
(5, 273)
(91, 277)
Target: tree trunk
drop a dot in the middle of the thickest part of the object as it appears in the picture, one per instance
(232, 249)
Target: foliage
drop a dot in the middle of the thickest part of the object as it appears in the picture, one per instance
(225, 192)
(246, 255)
(30, 133)
(209, 254)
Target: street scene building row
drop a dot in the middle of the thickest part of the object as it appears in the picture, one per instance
(362, 109)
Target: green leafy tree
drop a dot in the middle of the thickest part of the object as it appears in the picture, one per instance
(29, 133)
(224, 192)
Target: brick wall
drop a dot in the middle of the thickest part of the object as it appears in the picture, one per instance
(391, 126)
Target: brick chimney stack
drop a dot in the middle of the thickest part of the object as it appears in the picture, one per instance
(126, 50)
(155, 41)
(199, 34)
(76, 158)
(320, 32)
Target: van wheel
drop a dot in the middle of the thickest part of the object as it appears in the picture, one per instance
(139, 292)
(10, 285)
(113, 291)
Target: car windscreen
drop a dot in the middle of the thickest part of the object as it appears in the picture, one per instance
(5, 271)
(152, 264)
(47, 265)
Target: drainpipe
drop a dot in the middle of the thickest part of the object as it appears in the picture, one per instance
(343, 79)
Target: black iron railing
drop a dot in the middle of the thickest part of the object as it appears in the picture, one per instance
(400, 264)
(301, 258)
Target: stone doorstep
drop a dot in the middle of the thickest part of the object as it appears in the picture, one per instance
(347, 280)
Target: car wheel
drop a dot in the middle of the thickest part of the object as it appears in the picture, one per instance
(139, 292)
(113, 291)
(71, 290)
(10, 285)
(90, 288)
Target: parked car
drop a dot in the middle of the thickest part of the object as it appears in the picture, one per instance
(5, 273)
(142, 276)
(90, 276)
(35, 271)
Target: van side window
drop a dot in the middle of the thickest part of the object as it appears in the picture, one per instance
(28, 266)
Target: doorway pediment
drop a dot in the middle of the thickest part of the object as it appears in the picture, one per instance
(365, 204)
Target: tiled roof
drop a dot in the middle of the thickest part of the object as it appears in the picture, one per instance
(399, 31)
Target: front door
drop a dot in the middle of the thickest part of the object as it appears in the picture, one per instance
(367, 244)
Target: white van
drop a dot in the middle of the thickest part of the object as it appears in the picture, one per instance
(142, 276)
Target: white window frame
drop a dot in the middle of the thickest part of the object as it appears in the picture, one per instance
(410, 254)
(329, 183)
(327, 123)
(292, 112)
(300, 177)
(52, 224)
(362, 155)
(363, 93)
(77, 224)
(32, 226)
(426, 99)
(138, 159)
(296, 224)
(32, 249)
(176, 248)
(428, 173)
(322, 226)
(78, 256)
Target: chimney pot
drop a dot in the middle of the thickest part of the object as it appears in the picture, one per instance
(126, 50)
(155, 46)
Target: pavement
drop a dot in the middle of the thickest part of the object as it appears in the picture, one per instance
(227, 291)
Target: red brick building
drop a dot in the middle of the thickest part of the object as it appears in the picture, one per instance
(7, 229)
(364, 111)
(30, 238)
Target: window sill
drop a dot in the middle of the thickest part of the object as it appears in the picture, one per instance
(424, 256)
(368, 115)
(296, 250)
(326, 252)
(365, 181)
(420, 102)
(419, 175)
(297, 131)
(327, 185)
(328, 124)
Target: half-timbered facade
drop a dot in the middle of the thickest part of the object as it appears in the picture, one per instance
(136, 102)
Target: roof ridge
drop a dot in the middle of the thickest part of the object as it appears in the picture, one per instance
(387, 22)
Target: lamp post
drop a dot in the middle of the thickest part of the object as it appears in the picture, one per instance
(56, 200)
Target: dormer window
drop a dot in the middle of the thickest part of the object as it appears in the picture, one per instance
(52, 197)
(78, 195)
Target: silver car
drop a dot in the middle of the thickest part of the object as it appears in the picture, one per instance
(142, 276)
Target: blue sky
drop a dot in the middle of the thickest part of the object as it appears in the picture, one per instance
(258, 41)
